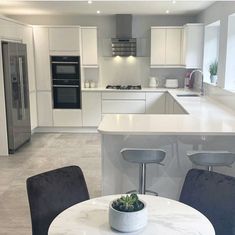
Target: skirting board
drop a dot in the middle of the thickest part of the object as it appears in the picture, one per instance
(65, 130)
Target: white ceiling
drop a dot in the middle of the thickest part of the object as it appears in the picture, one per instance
(9, 7)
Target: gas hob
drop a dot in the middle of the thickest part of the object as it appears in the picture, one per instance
(123, 87)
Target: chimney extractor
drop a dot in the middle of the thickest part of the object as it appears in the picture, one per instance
(124, 44)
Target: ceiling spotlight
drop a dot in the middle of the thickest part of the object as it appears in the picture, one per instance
(89, 1)
(174, 1)
(167, 11)
(98, 12)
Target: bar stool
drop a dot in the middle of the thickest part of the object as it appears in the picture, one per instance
(209, 159)
(143, 157)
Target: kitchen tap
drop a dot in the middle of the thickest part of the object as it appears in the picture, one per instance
(202, 85)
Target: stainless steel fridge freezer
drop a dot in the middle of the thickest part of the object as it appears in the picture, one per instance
(16, 94)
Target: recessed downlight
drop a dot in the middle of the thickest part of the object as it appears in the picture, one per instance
(167, 11)
(98, 12)
(174, 1)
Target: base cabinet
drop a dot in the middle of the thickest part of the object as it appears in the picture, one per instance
(67, 117)
(91, 108)
(155, 103)
(44, 100)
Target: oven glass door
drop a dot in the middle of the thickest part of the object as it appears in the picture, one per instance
(66, 97)
(65, 70)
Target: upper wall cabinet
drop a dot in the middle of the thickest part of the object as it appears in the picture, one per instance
(64, 39)
(192, 51)
(89, 46)
(166, 44)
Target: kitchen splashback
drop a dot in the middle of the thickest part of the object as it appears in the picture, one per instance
(134, 71)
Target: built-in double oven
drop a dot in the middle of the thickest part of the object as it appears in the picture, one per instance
(66, 82)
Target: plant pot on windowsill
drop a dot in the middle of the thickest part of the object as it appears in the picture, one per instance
(213, 79)
(127, 214)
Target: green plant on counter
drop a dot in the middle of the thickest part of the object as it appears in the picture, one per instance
(128, 203)
(213, 68)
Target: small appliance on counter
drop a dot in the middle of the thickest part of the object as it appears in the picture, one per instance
(153, 83)
(172, 83)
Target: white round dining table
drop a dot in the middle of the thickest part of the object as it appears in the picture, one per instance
(165, 217)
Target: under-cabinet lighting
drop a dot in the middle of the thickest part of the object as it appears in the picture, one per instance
(167, 11)
(98, 12)
(89, 2)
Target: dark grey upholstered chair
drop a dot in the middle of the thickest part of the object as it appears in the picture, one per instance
(212, 194)
(52, 192)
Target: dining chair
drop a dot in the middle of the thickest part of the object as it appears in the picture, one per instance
(212, 194)
(52, 192)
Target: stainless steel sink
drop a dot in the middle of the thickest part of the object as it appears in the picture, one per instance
(188, 95)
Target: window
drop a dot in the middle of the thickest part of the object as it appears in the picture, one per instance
(211, 52)
(230, 58)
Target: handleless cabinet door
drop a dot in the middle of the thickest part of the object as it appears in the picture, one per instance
(44, 102)
(158, 46)
(89, 46)
(173, 46)
(42, 60)
(91, 108)
(64, 39)
(155, 103)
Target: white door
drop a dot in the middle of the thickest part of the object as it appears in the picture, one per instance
(173, 46)
(155, 103)
(158, 46)
(64, 39)
(42, 59)
(89, 46)
(44, 102)
(91, 108)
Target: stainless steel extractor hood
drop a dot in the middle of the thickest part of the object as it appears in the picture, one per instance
(124, 44)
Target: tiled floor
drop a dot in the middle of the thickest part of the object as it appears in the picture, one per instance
(44, 152)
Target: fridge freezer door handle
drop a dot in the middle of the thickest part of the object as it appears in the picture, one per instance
(21, 87)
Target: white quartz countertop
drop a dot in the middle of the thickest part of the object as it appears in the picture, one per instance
(205, 117)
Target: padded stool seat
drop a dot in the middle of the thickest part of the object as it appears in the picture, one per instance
(212, 158)
(143, 157)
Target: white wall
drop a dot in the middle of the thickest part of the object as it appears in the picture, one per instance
(230, 61)
(219, 11)
(124, 71)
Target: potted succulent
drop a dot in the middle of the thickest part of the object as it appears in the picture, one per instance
(127, 213)
(213, 71)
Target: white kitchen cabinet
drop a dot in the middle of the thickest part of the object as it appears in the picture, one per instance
(89, 46)
(177, 108)
(192, 51)
(123, 95)
(155, 103)
(33, 109)
(123, 102)
(166, 44)
(44, 104)
(28, 40)
(67, 117)
(123, 106)
(173, 46)
(91, 108)
(64, 39)
(42, 59)
(169, 104)
(158, 46)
